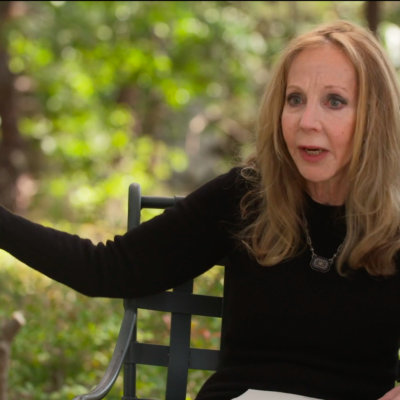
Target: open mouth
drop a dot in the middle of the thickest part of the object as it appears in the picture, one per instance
(313, 152)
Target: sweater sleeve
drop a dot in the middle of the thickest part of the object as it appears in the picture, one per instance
(180, 244)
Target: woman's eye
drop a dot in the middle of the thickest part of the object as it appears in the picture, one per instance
(336, 102)
(294, 100)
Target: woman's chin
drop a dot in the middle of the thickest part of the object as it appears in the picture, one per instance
(316, 178)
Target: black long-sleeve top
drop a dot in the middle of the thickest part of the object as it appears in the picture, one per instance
(291, 329)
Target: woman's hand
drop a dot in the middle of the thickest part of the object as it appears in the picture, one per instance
(394, 394)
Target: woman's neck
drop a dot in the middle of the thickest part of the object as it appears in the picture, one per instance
(327, 193)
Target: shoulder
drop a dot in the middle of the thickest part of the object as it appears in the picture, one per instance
(228, 185)
(217, 198)
(231, 180)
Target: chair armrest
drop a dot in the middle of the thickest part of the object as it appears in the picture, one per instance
(111, 374)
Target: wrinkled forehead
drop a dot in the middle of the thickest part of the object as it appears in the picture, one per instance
(327, 63)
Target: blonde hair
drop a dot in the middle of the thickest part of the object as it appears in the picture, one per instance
(275, 200)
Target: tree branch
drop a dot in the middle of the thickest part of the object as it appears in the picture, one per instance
(8, 331)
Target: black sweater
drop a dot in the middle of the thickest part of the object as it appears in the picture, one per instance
(291, 329)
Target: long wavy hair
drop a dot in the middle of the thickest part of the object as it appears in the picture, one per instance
(274, 202)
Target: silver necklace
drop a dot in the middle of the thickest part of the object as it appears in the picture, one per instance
(318, 263)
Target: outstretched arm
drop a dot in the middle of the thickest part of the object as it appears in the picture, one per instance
(168, 250)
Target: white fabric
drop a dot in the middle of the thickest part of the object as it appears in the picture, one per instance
(267, 395)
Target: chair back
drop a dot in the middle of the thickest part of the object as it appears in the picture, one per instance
(178, 357)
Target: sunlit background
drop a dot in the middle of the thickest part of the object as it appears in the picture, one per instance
(97, 95)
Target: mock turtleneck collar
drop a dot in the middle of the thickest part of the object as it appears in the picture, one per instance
(324, 209)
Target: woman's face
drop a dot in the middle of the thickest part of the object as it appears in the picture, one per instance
(319, 114)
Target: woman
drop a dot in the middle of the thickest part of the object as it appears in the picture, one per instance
(311, 223)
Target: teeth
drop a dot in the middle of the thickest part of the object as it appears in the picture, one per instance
(313, 152)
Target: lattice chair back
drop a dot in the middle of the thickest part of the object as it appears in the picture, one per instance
(178, 357)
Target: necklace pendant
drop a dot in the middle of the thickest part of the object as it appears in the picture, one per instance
(320, 264)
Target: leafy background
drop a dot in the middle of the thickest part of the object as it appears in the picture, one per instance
(108, 93)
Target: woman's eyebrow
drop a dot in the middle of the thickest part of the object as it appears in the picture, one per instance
(325, 87)
(293, 87)
(336, 87)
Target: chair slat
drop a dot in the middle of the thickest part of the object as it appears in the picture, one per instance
(179, 349)
(204, 359)
(158, 355)
(149, 354)
(185, 303)
(159, 202)
(133, 398)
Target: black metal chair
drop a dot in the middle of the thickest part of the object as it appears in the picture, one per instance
(178, 357)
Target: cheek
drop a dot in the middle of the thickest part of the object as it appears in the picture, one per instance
(345, 143)
(287, 130)
(347, 134)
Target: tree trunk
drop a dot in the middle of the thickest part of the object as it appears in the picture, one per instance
(9, 328)
(13, 165)
(372, 15)
(13, 162)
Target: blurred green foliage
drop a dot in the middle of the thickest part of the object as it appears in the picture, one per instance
(160, 93)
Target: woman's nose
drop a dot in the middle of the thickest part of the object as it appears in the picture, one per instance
(311, 118)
